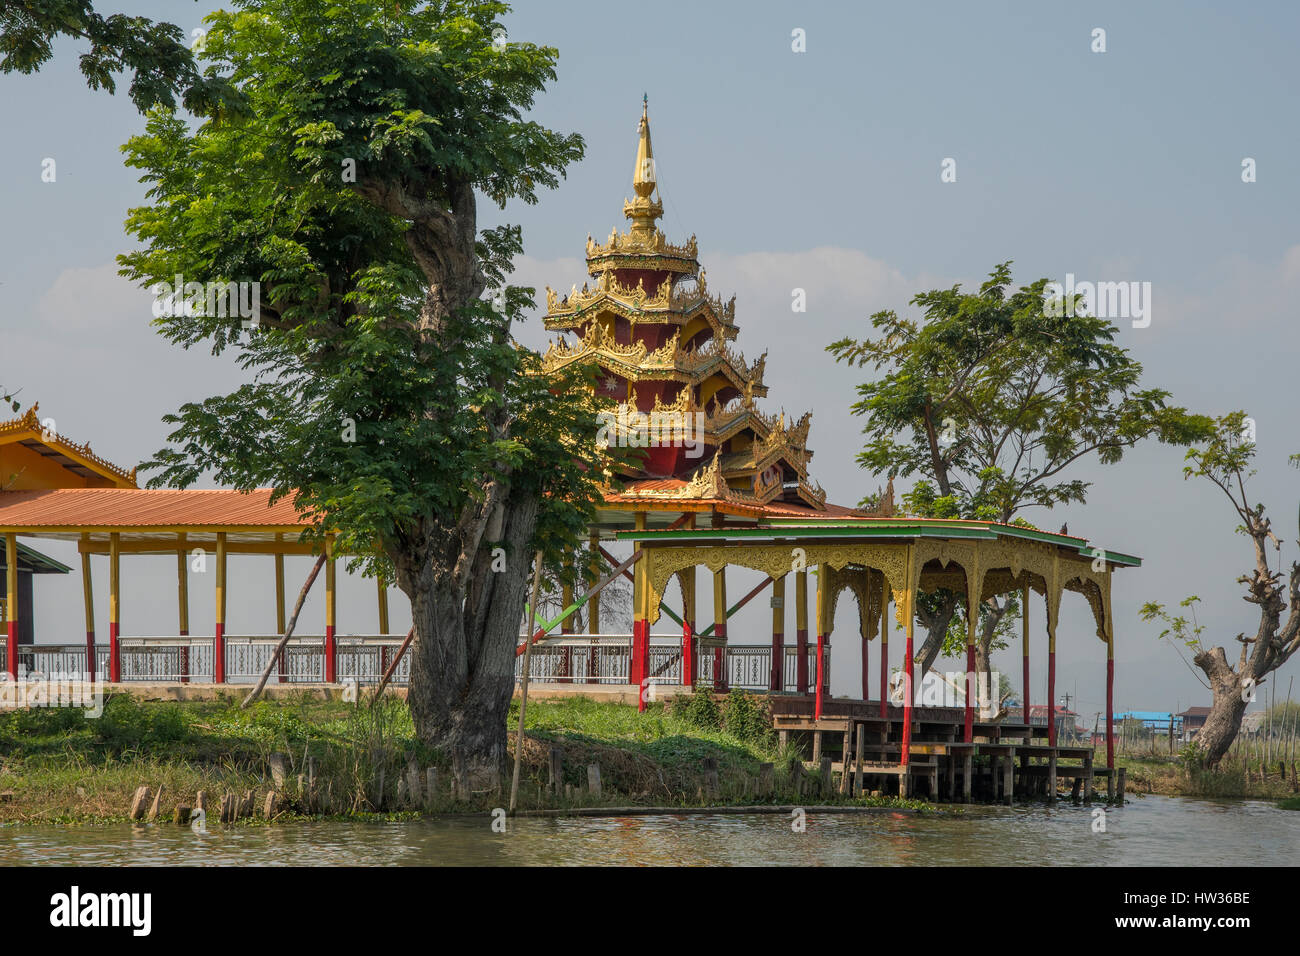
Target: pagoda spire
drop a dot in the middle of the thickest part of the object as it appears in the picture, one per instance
(644, 209)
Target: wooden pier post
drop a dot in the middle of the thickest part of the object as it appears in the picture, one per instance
(857, 758)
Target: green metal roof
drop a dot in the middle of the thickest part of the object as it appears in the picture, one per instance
(783, 529)
(32, 560)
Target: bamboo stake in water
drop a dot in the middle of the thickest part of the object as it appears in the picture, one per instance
(523, 692)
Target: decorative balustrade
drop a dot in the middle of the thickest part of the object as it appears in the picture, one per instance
(604, 659)
(360, 658)
(598, 659)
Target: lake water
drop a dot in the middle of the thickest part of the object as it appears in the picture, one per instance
(1159, 831)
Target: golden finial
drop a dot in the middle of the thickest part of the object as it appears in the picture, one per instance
(643, 179)
(644, 209)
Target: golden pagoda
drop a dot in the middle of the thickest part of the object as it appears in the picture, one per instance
(662, 343)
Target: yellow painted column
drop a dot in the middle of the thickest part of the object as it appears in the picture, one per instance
(219, 633)
(11, 602)
(823, 612)
(593, 567)
(638, 664)
(183, 605)
(720, 630)
(383, 603)
(331, 595)
(280, 625)
(114, 606)
(776, 679)
(88, 598)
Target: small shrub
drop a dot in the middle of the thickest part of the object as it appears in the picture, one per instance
(699, 709)
(126, 724)
(747, 718)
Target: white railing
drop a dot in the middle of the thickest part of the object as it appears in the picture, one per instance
(605, 659)
(362, 658)
(578, 659)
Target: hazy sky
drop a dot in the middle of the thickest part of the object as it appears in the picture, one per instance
(817, 170)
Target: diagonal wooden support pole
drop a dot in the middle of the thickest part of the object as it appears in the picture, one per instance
(663, 605)
(739, 604)
(549, 626)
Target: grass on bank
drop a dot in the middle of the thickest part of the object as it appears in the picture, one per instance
(57, 765)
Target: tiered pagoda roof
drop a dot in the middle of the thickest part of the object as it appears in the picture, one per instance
(662, 343)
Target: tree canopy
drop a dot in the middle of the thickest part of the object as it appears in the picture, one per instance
(986, 401)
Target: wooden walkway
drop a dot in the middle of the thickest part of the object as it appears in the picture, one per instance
(1004, 760)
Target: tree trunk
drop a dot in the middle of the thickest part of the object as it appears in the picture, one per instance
(1227, 707)
(463, 656)
(936, 628)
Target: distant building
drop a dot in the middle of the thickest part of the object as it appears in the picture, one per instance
(1193, 720)
(30, 561)
(1153, 720)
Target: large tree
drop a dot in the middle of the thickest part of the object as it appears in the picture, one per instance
(1225, 461)
(386, 395)
(986, 400)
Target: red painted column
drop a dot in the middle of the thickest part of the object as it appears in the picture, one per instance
(822, 627)
(801, 631)
(908, 693)
(637, 669)
(1110, 703)
(331, 608)
(114, 607)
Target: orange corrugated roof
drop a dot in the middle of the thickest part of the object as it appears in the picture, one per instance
(90, 508)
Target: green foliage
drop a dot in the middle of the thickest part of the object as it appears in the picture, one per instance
(155, 53)
(747, 717)
(41, 722)
(988, 398)
(1184, 628)
(699, 709)
(1192, 754)
(383, 420)
(127, 724)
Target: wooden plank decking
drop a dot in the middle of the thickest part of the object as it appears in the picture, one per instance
(1016, 760)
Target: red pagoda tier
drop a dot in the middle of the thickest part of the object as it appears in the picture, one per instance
(687, 396)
